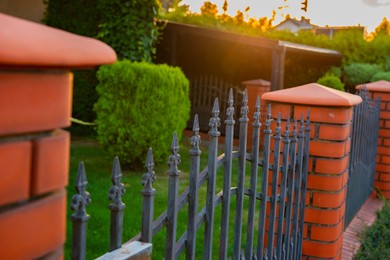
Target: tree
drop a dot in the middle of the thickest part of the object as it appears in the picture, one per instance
(383, 27)
(209, 9)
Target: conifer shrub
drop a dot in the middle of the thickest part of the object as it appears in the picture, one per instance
(140, 105)
(383, 75)
(376, 238)
(331, 81)
(359, 73)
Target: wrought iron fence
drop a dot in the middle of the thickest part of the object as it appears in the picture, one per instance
(364, 145)
(281, 168)
(203, 90)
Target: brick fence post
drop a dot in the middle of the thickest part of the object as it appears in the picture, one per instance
(331, 115)
(256, 88)
(35, 103)
(381, 89)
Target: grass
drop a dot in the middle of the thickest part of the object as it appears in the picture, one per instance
(376, 238)
(98, 165)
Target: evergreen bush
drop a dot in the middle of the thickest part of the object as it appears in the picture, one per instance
(359, 73)
(140, 105)
(383, 75)
(331, 81)
(376, 238)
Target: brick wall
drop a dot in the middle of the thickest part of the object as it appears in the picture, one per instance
(381, 89)
(330, 115)
(35, 103)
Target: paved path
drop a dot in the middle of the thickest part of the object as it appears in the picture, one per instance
(365, 217)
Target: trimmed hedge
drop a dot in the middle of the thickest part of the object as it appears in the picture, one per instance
(331, 81)
(140, 105)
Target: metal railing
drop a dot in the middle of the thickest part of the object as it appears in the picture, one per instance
(281, 168)
(364, 145)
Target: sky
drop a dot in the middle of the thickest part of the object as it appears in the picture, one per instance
(367, 13)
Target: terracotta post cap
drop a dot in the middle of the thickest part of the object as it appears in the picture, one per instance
(379, 86)
(28, 44)
(256, 82)
(313, 94)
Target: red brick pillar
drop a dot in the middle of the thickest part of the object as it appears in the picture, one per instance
(381, 89)
(256, 88)
(35, 103)
(330, 115)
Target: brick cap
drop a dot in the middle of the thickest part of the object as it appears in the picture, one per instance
(28, 44)
(380, 86)
(260, 82)
(313, 94)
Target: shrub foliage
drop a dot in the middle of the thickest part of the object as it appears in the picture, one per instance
(140, 105)
(359, 73)
(376, 239)
(331, 81)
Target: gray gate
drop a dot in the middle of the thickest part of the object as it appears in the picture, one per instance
(364, 144)
(275, 196)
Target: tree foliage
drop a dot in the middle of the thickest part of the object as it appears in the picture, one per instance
(129, 27)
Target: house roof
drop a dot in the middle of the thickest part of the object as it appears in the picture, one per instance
(304, 23)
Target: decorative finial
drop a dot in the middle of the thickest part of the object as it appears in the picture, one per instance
(214, 122)
(149, 177)
(244, 109)
(230, 109)
(82, 198)
(174, 158)
(117, 189)
(257, 114)
(195, 139)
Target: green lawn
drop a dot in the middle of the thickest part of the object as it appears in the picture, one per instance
(98, 165)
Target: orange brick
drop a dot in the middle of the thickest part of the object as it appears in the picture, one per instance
(383, 186)
(15, 164)
(328, 200)
(34, 229)
(328, 149)
(387, 124)
(384, 115)
(325, 182)
(318, 249)
(45, 103)
(384, 133)
(331, 166)
(382, 123)
(382, 150)
(383, 167)
(386, 142)
(334, 132)
(322, 216)
(384, 177)
(334, 115)
(383, 96)
(282, 108)
(50, 162)
(326, 233)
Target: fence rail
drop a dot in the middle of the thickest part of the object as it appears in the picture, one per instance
(362, 163)
(277, 206)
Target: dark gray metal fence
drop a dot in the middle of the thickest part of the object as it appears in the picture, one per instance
(281, 168)
(364, 145)
(203, 90)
